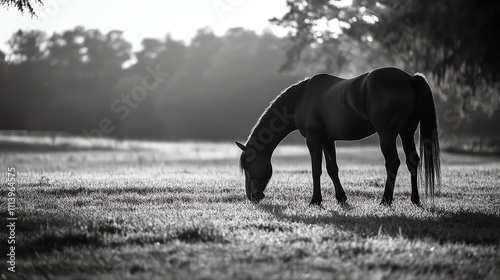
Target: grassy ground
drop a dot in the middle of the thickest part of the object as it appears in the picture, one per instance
(178, 211)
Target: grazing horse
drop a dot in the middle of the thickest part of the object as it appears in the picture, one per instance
(326, 108)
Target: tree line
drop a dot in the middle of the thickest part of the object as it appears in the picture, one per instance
(86, 82)
(214, 88)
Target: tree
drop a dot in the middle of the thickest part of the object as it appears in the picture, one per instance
(21, 5)
(172, 56)
(27, 46)
(4, 98)
(26, 68)
(202, 49)
(452, 39)
(150, 49)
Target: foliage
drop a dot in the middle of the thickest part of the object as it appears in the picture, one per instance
(453, 40)
(21, 5)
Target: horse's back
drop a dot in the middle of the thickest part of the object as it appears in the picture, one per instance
(384, 81)
(391, 99)
(335, 106)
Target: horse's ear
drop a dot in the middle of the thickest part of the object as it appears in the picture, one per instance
(241, 146)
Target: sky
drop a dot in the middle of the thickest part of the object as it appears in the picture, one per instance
(143, 18)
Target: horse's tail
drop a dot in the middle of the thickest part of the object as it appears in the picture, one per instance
(429, 139)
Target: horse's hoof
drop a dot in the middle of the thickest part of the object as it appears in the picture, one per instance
(342, 200)
(386, 201)
(417, 204)
(345, 206)
(315, 203)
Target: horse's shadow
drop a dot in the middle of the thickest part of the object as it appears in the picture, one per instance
(467, 227)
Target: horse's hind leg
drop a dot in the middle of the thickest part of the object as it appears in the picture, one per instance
(388, 147)
(333, 170)
(412, 161)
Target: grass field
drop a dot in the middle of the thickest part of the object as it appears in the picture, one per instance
(133, 210)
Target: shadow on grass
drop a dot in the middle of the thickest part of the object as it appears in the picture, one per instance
(43, 235)
(447, 227)
(56, 241)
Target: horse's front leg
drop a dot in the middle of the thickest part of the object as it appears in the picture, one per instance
(315, 145)
(333, 170)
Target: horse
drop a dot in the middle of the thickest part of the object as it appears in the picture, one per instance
(325, 108)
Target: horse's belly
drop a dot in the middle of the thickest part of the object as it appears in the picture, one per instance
(347, 127)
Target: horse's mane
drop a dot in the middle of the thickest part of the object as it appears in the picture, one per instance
(287, 97)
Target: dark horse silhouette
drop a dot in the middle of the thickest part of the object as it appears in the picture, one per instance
(326, 108)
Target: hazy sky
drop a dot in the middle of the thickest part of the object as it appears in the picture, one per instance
(143, 18)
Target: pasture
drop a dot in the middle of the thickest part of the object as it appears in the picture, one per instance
(132, 210)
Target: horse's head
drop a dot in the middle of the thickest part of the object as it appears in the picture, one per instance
(258, 171)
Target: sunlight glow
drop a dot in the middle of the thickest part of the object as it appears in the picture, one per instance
(341, 3)
(323, 25)
(371, 19)
(145, 19)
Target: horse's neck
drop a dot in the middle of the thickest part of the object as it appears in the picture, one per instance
(267, 136)
(275, 124)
